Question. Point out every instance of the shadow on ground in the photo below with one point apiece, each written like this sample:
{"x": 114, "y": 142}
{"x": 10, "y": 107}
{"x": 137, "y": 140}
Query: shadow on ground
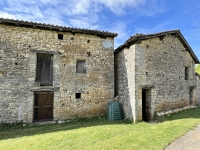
{"x": 15, "y": 131}
{"x": 8, "y": 131}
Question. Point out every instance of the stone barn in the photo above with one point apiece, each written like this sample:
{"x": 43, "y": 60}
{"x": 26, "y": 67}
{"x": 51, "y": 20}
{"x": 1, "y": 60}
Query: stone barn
{"x": 154, "y": 73}
{"x": 52, "y": 72}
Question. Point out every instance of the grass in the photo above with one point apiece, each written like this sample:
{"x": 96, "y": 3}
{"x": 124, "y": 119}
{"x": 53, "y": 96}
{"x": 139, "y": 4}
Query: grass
{"x": 100, "y": 133}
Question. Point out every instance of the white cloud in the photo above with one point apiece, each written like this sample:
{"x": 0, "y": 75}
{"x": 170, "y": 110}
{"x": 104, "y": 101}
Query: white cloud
{"x": 7, "y": 15}
{"x": 121, "y": 29}
{"x": 76, "y": 13}
{"x": 117, "y": 6}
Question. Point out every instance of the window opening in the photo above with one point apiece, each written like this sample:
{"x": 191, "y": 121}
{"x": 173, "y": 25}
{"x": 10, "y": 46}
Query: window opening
{"x": 186, "y": 73}
{"x": 78, "y": 95}
{"x": 190, "y": 96}
{"x": 80, "y": 66}
{"x": 60, "y": 36}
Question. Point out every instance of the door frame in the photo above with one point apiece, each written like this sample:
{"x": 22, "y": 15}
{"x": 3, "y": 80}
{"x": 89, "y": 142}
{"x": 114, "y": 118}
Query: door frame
{"x": 191, "y": 95}
{"x": 36, "y": 107}
{"x": 146, "y": 105}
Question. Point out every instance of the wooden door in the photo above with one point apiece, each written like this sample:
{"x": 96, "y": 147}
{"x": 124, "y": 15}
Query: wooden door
{"x": 43, "y": 109}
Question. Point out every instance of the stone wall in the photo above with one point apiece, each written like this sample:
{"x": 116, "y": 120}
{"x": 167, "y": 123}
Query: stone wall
{"x": 19, "y": 47}
{"x": 125, "y": 80}
{"x": 198, "y": 88}
{"x": 158, "y": 65}
{"x": 161, "y": 66}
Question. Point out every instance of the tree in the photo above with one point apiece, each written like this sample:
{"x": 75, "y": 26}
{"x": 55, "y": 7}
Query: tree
{"x": 197, "y": 69}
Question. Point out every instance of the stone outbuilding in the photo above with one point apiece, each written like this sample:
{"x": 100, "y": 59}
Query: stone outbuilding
{"x": 52, "y": 72}
{"x": 154, "y": 73}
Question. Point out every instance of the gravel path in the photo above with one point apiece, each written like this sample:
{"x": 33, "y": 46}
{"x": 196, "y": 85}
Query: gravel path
{"x": 190, "y": 141}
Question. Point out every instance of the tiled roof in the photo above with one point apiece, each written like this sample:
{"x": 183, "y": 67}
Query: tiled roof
{"x": 139, "y": 37}
{"x": 55, "y": 27}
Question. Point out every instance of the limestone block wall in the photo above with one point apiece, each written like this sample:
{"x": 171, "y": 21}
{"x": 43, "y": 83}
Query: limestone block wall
{"x": 160, "y": 65}
{"x": 19, "y": 47}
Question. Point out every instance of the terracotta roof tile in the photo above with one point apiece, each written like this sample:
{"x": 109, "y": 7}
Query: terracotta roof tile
{"x": 55, "y": 27}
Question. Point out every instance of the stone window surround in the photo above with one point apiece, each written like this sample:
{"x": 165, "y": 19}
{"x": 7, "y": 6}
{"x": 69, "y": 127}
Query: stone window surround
{"x": 44, "y": 88}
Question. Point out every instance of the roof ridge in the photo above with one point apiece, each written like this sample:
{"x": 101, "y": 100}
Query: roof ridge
{"x": 135, "y": 38}
{"x": 56, "y": 27}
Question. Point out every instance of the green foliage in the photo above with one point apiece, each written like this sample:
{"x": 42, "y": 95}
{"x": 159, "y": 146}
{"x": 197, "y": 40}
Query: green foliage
{"x": 197, "y": 69}
{"x": 100, "y": 133}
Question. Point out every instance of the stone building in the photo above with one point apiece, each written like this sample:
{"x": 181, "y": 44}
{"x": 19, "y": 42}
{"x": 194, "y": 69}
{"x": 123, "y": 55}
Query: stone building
{"x": 51, "y": 72}
{"x": 198, "y": 88}
{"x": 153, "y": 73}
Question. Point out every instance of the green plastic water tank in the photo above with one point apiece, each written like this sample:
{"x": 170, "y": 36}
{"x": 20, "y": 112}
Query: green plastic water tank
{"x": 114, "y": 111}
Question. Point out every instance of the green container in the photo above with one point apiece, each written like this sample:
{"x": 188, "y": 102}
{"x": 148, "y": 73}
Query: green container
{"x": 114, "y": 111}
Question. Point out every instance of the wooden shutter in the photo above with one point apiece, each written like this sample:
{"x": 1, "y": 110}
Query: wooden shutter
{"x": 44, "y": 70}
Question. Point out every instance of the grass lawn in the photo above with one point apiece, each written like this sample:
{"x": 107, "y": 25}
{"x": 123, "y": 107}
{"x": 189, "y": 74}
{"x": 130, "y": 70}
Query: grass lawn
{"x": 100, "y": 134}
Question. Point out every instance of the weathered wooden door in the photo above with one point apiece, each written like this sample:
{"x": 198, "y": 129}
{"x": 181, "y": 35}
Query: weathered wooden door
{"x": 44, "y": 70}
{"x": 43, "y": 109}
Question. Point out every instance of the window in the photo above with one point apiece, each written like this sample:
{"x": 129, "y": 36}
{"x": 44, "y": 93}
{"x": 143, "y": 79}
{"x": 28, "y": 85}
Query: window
{"x": 80, "y": 66}
{"x": 44, "y": 70}
{"x": 60, "y": 36}
{"x": 78, "y": 95}
{"x": 186, "y": 73}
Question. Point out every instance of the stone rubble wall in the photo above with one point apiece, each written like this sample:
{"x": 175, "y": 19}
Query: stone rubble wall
{"x": 198, "y": 89}
{"x": 159, "y": 67}
{"x": 125, "y": 80}
{"x": 18, "y": 50}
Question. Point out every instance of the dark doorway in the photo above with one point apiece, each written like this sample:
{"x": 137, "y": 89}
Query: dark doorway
{"x": 43, "y": 107}
{"x": 190, "y": 96}
{"x": 145, "y": 105}
{"x": 44, "y": 70}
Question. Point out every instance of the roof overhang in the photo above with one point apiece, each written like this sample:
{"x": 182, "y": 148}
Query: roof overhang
{"x": 28, "y": 24}
{"x": 139, "y": 37}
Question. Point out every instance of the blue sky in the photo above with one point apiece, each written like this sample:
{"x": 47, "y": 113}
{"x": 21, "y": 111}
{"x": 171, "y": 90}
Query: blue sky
{"x": 125, "y": 17}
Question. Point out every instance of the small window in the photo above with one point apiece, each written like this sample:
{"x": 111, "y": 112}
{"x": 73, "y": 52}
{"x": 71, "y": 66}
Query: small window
{"x": 186, "y": 73}
{"x": 60, "y": 36}
{"x": 78, "y": 95}
{"x": 80, "y": 66}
